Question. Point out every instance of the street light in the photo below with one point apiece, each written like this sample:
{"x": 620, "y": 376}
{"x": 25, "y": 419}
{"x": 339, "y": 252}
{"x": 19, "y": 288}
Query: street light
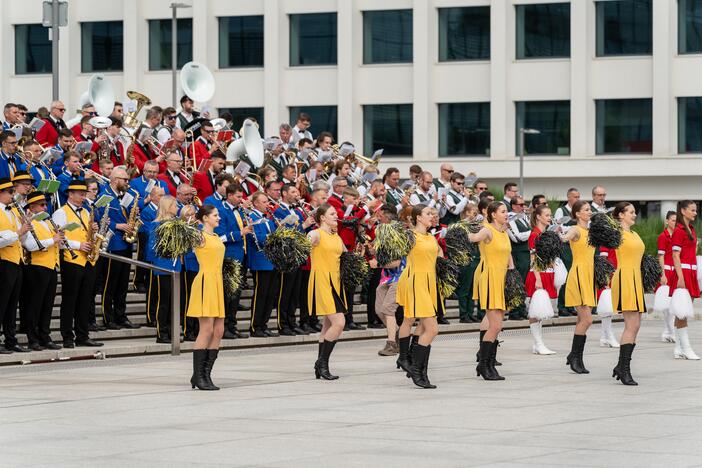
{"x": 522, "y": 132}
{"x": 174, "y": 47}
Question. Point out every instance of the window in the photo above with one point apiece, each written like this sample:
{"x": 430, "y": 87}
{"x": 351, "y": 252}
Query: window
{"x": 464, "y": 33}
{"x": 552, "y": 120}
{"x": 32, "y": 49}
{"x": 323, "y": 118}
{"x": 388, "y": 126}
{"x": 160, "y": 35}
{"x": 543, "y": 30}
{"x": 241, "y": 41}
{"x": 689, "y": 26}
{"x": 624, "y": 126}
{"x": 101, "y": 46}
{"x": 313, "y": 39}
{"x": 387, "y": 36}
{"x": 690, "y": 125}
{"x": 624, "y": 27}
{"x": 239, "y": 114}
{"x": 464, "y": 129}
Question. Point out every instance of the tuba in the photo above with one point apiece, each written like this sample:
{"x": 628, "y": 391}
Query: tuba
{"x": 101, "y": 95}
{"x": 130, "y": 118}
{"x": 250, "y": 144}
{"x": 197, "y": 82}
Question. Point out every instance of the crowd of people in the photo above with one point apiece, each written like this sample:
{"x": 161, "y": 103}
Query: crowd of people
{"x": 72, "y": 190}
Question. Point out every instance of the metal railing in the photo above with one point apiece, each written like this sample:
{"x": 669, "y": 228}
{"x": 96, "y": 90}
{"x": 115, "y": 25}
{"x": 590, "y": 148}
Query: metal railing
{"x": 175, "y": 295}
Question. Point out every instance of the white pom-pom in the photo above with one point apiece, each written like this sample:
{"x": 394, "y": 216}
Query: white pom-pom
{"x": 681, "y": 304}
{"x": 699, "y": 270}
{"x": 540, "y": 307}
{"x": 661, "y": 301}
{"x": 560, "y": 273}
{"x": 604, "y": 304}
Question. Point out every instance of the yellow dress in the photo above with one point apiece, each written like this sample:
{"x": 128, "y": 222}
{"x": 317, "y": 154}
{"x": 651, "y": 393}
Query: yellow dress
{"x": 417, "y": 289}
{"x": 478, "y": 269}
{"x": 627, "y": 284}
{"x": 580, "y": 286}
{"x": 325, "y": 296}
{"x": 207, "y": 293}
{"x": 495, "y": 257}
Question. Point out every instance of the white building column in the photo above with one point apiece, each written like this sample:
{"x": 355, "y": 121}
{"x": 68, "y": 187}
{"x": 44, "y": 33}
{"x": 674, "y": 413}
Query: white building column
{"x": 421, "y": 80}
{"x": 664, "y": 48}
{"x": 273, "y": 62}
{"x": 499, "y": 98}
{"x": 345, "y": 85}
{"x": 580, "y": 99}
{"x": 133, "y": 45}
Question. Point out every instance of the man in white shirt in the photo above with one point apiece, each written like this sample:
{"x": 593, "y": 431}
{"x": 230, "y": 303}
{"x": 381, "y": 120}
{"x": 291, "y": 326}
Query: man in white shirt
{"x": 511, "y": 190}
{"x": 444, "y": 179}
{"x": 599, "y": 195}
{"x": 187, "y": 114}
{"x": 456, "y": 200}
{"x": 426, "y": 194}
{"x": 300, "y": 130}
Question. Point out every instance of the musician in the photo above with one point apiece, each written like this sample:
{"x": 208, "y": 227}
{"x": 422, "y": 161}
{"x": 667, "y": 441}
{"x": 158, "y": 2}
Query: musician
{"x": 37, "y": 169}
{"x": 444, "y": 180}
{"x": 23, "y": 183}
{"x": 64, "y": 144}
{"x": 147, "y": 214}
{"x": 415, "y": 170}
{"x": 394, "y": 195}
{"x": 10, "y": 160}
{"x": 187, "y": 114}
{"x": 48, "y": 135}
{"x": 456, "y": 199}
{"x": 264, "y": 275}
{"x": 71, "y": 171}
{"x": 519, "y": 232}
{"x": 479, "y": 186}
{"x": 92, "y": 193}
{"x": 222, "y": 181}
{"x": 10, "y": 112}
{"x": 285, "y": 133}
{"x": 309, "y": 323}
{"x": 599, "y": 196}
{"x": 164, "y": 130}
{"x": 141, "y": 183}
{"x": 342, "y": 169}
{"x": 511, "y": 190}
{"x": 288, "y": 175}
{"x": 77, "y": 274}
{"x": 117, "y": 149}
{"x": 114, "y": 296}
{"x": 426, "y": 194}
{"x": 185, "y": 195}
{"x": 204, "y": 181}
{"x": 173, "y": 176}
{"x": 300, "y": 130}
{"x": 272, "y": 190}
{"x": 377, "y": 191}
{"x": 117, "y": 111}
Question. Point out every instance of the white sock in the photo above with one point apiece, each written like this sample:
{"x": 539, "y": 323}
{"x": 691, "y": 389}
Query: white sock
{"x": 536, "y": 331}
{"x": 606, "y": 325}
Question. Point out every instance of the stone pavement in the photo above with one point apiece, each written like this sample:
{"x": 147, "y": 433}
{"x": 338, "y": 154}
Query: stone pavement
{"x": 141, "y": 412}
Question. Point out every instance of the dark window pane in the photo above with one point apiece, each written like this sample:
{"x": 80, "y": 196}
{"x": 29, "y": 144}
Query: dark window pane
{"x": 101, "y": 46}
{"x": 387, "y": 36}
{"x": 552, "y": 120}
{"x": 464, "y": 33}
{"x": 689, "y": 26}
{"x": 464, "y": 129}
{"x": 239, "y": 114}
{"x": 160, "y": 34}
{"x": 313, "y": 39}
{"x": 241, "y": 41}
{"x": 624, "y": 126}
{"x": 32, "y": 49}
{"x": 389, "y": 127}
{"x": 624, "y": 27}
{"x": 690, "y": 125}
{"x": 323, "y": 118}
{"x": 543, "y": 30}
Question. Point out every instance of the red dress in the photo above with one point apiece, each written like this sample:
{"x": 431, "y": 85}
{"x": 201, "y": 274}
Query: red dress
{"x": 611, "y": 256}
{"x": 547, "y": 277}
{"x": 665, "y": 248}
{"x": 687, "y": 247}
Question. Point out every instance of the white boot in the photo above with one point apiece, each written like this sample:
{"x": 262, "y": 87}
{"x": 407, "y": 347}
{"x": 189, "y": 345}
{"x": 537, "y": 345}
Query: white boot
{"x": 668, "y": 335}
{"x": 607, "y": 339}
{"x": 683, "y": 350}
{"x": 539, "y": 346}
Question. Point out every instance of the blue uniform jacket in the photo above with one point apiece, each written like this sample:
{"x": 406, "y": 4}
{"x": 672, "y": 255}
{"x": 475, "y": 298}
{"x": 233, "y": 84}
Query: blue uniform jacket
{"x": 151, "y": 257}
{"x": 215, "y": 200}
{"x": 139, "y": 184}
{"x": 5, "y": 165}
{"x": 65, "y": 179}
{"x": 230, "y": 233}
{"x": 118, "y": 214}
{"x": 147, "y": 214}
{"x": 262, "y": 227}
{"x": 283, "y": 212}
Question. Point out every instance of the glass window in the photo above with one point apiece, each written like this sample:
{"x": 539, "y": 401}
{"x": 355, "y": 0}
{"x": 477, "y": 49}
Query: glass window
{"x": 160, "y": 34}
{"x": 323, "y": 118}
{"x": 101, "y": 46}
{"x": 387, "y": 36}
{"x": 624, "y": 27}
{"x": 689, "y": 26}
{"x": 464, "y": 129}
{"x": 690, "y": 125}
{"x": 32, "y": 49}
{"x": 313, "y": 39}
{"x": 624, "y": 126}
{"x": 543, "y": 30}
{"x": 241, "y": 41}
{"x": 388, "y": 126}
{"x": 464, "y": 33}
{"x": 239, "y": 114}
{"x": 551, "y": 119}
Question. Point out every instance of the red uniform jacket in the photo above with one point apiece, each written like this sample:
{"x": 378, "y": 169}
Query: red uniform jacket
{"x": 170, "y": 182}
{"x": 76, "y": 131}
{"x": 348, "y": 231}
{"x": 142, "y": 153}
{"x": 48, "y": 134}
{"x": 200, "y": 151}
{"x": 203, "y": 182}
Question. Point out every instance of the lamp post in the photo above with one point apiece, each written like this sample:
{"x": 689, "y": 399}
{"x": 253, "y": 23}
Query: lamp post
{"x": 174, "y": 47}
{"x": 523, "y": 131}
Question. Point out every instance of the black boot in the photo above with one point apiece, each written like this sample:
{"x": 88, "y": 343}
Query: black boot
{"x": 484, "y": 369}
{"x": 623, "y": 370}
{"x": 425, "y": 366}
{"x": 413, "y": 342}
{"x": 403, "y": 360}
{"x": 575, "y": 358}
{"x": 198, "y": 379}
{"x": 493, "y": 360}
{"x": 477, "y": 355}
{"x": 321, "y": 368}
{"x": 210, "y": 358}
{"x": 319, "y": 349}
{"x": 419, "y": 357}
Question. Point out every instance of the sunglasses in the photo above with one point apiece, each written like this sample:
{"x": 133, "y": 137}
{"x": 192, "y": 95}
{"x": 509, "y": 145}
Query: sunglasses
{"x": 170, "y": 117}
{"x": 61, "y": 109}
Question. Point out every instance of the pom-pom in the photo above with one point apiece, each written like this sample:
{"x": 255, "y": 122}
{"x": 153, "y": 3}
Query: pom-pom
{"x": 603, "y": 272}
{"x": 604, "y": 304}
{"x": 661, "y": 301}
{"x": 604, "y": 231}
{"x": 560, "y": 273}
{"x": 176, "y": 237}
{"x": 473, "y": 226}
{"x": 514, "y": 289}
{"x": 540, "y": 307}
{"x": 392, "y": 242}
{"x": 232, "y": 278}
{"x": 354, "y": 269}
{"x": 287, "y": 249}
{"x": 650, "y": 273}
{"x": 548, "y": 247}
{"x": 446, "y": 276}
{"x": 458, "y": 246}
{"x": 681, "y": 304}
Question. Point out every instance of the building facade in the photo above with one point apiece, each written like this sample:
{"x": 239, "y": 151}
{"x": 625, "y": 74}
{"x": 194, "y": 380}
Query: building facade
{"x": 611, "y": 86}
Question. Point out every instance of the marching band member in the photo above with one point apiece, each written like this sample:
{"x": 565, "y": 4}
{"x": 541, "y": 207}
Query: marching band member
{"x": 205, "y": 144}
{"x": 71, "y": 171}
{"x": 23, "y": 183}
{"x": 204, "y": 181}
{"x": 142, "y": 276}
{"x": 668, "y": 278}
{"x": 519, "y": 232}
{"x": 386, "y": 306}
{"x": 10, "y": 160}
{"x": 599, "y": 194}
{"x": 511, "y": 190}
{"x": 464, "y": 291}
{"x": 75, "y": 123}
{"x": 37, "y": 169}
{"x": 140, "y": 184}
{"x": 11, "y": 113}
{"x": 394, "y": 195}
{"x": 426, "y": 194}
{"x": 607, "y": 338}
{"x": 164, "y": 130}
{"x": 86, "y": 132}
{"x": 190, "y": 269}
{"x": 173, "y": 175}
{"x": 187, "y": 114}
{"x": 115, "y": 145}
{"x": 300, "y": 130}
{"x": 444, "y": 179}
{"x": 456, "y": 199}
{"x": 48, "y": 135}
{"x": 222, "y": 181}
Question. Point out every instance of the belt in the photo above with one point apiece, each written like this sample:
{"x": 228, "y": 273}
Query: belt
{"x": 684, "y": 266}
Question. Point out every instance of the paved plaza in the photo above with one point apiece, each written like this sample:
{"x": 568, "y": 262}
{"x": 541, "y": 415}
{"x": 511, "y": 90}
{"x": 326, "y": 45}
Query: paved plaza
{"x": 141, "y": 412}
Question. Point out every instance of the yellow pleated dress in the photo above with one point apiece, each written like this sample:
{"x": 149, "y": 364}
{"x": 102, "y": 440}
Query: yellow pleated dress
{"x": 580, "y": 285}
{"x": 207, "y": 292}
{"x": 627, "y": 284}
{"x": 495, "y": 257}
{"x": 478, "y": 269}
{"x": 325, "y": 296}
{"x": 417, "y": 289}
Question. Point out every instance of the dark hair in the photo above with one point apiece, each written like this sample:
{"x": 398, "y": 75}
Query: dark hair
{"x": 71, "y": 154}
{"x": 571, "y": 190}
{"x": 492, "y": 209}
{"x": 222, "y": 178}
{"x": 681, "y": 219}
{"x": 415, "y": 169}
{"x": 456, "y": 176}
{"x": 479, "y": 181}
{"x": 538, "y": 211}
{"x": 65, "y": 132}
{"x": 668, "y": 215}
{"x": 509, "y": 186}
{"x": 515, "y": 200}
{"x": 390, "y": 171}
{"x": 322, "y": 135}
{"x": 286, "y": 188}
{"x": 389, "y": 211}
{"x": 234, "y": 188}
{"x": 303, "y": 141}
{"x": 535, "y": 199}
{"x": 5, "y": 135}
{"x": 619, "y": 209}
{"x": 483, "y": 204}
{"x": 416, "y": 211}
{"x": 183, "y": 99}
{"x": 218, "y": 154}
{"x": 205, "y": 210}
{"x": 302, "y": 116}
{"x": 321, "y": 211}
{"x": 577, "y": 207}
{"x": 485, "y": 194}
{"x": 269, "y": 184}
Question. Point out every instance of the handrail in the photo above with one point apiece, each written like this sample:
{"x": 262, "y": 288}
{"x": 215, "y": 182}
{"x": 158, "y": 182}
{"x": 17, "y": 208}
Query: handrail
{"x": 175, "y": 295}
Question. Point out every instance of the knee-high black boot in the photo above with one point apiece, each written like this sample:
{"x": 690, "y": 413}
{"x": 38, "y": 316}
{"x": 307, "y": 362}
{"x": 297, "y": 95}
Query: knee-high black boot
{"x": 198, "y": 379}
{"x": 413, "y": 343}
{"x": 425, "y": 366}
{"x": 493, "y": 359}
{"x": 575, "y": 358}
{"x": 484, "y": 369}
{"x": 322, "y": 369}
{"x": 420, "y": 354}
{"x": 623, "y": 370}
{"x": 210, "y": 358}
{"x": 403, "y": 359}
{"x": 477, "y": 355}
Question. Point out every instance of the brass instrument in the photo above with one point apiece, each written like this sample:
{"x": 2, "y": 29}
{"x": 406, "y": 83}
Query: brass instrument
{"x": 197, "y": 202}
{"x": 130, "y": 118}
{"x": 24, "y": 219}
{"x": 134, "y": 222}
{"x": 64, "y": 243}
{"x": 99, "y": 239}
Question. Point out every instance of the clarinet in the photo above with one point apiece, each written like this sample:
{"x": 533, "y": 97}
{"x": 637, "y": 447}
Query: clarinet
{"x": 249, "y": 222}
{"x": 25, "y": 220}
{"x": 64, "y": 243}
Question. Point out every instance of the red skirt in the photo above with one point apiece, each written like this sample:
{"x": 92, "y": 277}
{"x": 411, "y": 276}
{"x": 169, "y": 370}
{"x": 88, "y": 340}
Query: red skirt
{"x": 546, "y": 281}
{"x": 691, "y": 283}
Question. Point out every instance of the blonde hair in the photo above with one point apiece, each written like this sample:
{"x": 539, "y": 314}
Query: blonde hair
{"x": 164, "y": 207}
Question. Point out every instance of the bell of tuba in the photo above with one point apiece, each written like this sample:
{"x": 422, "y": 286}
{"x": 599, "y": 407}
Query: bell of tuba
{"x": 249, "y": 144}
{"x": 197, "y": 82}
{"x": 130, "y": 119}
{"x": 101, "y": 95}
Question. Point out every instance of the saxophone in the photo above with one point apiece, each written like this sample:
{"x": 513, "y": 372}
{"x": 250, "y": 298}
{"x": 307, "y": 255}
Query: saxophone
{"x": 99, "y": 238}
{"x": 134, "y": 222}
